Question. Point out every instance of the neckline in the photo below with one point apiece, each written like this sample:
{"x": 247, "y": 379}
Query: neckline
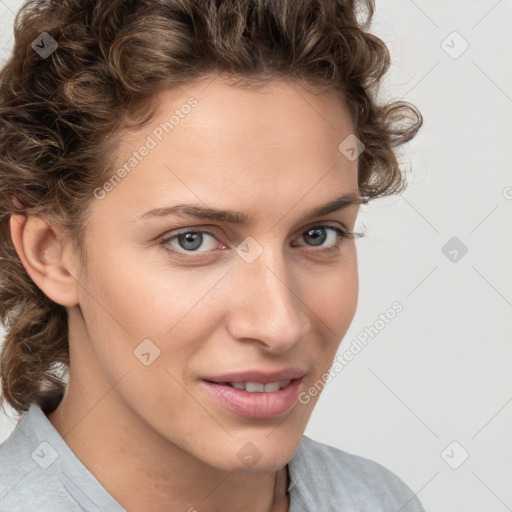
{"x": 41, "y": 429}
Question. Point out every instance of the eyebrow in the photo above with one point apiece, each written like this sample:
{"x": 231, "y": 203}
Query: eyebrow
{"x": 240, "y": 218}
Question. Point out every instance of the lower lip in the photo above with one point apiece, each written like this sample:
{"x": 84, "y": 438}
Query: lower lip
{"x": 255, "y": 405}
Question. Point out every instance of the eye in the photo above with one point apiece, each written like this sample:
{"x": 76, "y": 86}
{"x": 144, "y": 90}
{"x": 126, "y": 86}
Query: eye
{"x": 316, "y": 236}
{"x": 190, "y": 241}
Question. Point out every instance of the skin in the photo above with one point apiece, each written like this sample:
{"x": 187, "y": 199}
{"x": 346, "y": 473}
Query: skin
{"x": 150, "y": 434}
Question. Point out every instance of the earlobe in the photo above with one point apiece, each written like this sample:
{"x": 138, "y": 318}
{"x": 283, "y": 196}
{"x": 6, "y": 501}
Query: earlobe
{"x": 40, "y": 246}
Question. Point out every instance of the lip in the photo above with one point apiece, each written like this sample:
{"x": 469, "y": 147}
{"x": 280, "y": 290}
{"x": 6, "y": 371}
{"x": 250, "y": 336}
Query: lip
{"x": 260, "y": 376}
{"x": 265, "y": 405}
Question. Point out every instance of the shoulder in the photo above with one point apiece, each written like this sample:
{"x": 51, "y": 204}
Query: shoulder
{"x": 15, "y": 473}
{"x": 38, "y": 472}
{"x": 355, "y": 482}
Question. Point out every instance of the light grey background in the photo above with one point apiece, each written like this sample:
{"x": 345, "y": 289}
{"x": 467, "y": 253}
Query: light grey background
{"x": 439, "y": 372}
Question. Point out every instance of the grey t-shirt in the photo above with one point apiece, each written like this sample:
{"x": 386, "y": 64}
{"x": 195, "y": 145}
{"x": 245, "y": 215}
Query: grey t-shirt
{"x": 40, "y": 473}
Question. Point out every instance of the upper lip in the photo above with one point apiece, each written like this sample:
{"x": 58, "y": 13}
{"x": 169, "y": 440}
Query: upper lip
{"x": 259, "y": 376}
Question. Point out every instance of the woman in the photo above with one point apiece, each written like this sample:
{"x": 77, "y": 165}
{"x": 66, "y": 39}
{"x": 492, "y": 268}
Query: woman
{"x": 179, "y": 186}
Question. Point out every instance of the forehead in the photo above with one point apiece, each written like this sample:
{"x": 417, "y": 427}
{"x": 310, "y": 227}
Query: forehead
{"x": 240, "y": 111}
{"x": 212, "y": 142}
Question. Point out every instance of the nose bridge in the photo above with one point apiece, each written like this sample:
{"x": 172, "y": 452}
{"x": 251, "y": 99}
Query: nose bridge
{"x": 268, "y": 305}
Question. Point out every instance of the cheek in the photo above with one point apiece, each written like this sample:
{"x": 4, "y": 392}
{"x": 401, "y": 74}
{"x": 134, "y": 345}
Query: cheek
{"x": 141, "y": 292}
{"x": 145, "y": 298}
{"x": 333, "y": 300}
{"x": 334, "y": 294}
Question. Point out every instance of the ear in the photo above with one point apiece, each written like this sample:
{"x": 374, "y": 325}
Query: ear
{"x": 48, "y": 256}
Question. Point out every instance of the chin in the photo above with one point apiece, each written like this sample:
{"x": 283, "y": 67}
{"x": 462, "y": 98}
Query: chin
{"x": 256, "y": 454}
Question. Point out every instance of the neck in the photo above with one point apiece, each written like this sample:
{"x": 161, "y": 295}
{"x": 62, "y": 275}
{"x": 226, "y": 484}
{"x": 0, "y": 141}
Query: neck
{"x": 143, "y": 471}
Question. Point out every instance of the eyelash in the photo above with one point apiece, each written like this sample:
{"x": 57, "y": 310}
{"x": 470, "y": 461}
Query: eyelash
{"x": 342, "y": 234}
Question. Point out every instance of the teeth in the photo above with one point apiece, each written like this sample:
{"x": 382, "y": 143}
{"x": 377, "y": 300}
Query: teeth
{"x": 256, "y": 387}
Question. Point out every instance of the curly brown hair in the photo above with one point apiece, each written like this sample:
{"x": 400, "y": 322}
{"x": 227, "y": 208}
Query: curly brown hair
{"x": 61, "y": 118}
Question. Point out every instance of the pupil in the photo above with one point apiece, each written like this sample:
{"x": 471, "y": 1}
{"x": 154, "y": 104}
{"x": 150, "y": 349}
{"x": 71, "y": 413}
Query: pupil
{"x": 190, "y": 241}
{"x": 317, "y": 240}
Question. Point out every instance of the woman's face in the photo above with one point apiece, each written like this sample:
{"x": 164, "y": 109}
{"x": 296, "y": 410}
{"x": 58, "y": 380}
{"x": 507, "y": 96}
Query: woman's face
{"x": 169, "y": 299}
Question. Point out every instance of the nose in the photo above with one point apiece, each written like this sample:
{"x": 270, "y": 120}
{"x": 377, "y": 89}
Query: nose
{"x": 267, "y": 305}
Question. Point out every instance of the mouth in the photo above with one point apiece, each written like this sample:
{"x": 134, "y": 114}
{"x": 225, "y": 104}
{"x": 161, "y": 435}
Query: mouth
{"x": 255, "y": 400}
{"x": 256, "y": 387}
